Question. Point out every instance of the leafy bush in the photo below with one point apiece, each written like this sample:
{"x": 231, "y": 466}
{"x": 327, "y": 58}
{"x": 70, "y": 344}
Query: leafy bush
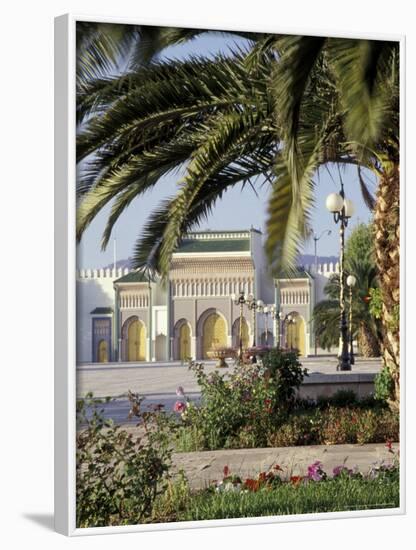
{"x": 118, "y": 477}
{"x": 383, "y": 385}
{"x": 300, "y": 429}
{"x": 335, "y": 426}
{"x": 338, "y": 426}
{"x": 240, "y": 409}
{"x": 286, "y": 371}
{"x": 340, "y": 398}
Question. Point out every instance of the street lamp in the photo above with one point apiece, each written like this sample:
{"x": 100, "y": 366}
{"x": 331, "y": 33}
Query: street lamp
{"x": 342, "y": 210}
{"x": 315, "y": 240}
{"x": 276, "y": 315}
{"x": 351, "y": 280}
{"x": 240, "y": 301}
{"x": 254, "y": 305}
{"x": 266, "y": 311}
{"x": 315, "y": 243}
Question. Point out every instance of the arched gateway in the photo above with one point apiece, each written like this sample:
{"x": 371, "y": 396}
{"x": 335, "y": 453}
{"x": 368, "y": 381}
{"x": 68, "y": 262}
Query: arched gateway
{"x": 136, "y": 341}
{"x": 214, "y": 333}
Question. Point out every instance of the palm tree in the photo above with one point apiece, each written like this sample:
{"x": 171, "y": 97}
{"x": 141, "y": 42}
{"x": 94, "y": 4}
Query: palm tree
{"x": 366, "y": 78}
{"x": 366, "y": 329}
{"x": 274, "y": 113}
{"x": 359, "y": 261}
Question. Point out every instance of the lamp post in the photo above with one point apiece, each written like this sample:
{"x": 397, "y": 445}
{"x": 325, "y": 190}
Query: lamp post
{"x": 316, "y": 238}
{"x": 315, "y": 245}
{"x": 240, "y": 301}
{"x": 342, "y": 210}
{"x": 351, "y": 280}
{"x": 276, "y": 315}
{"x": 266, "y": 311}
{"x": 254, "y": 305}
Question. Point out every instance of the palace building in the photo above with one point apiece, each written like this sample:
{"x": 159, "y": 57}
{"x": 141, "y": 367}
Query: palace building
{"x": 122, "y": 316}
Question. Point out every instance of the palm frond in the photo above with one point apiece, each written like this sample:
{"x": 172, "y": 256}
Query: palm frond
{"x": 132, "y": 178}
{"x": 290, "y": 204}
{"x": 149, "y": 245}
{"x": 226, "y": 139}
{"x": 167, "y": 93}
{"x": 362, "y": 71}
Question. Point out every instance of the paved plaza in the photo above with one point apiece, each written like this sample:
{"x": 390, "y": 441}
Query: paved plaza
{"x": 157, "y": 382}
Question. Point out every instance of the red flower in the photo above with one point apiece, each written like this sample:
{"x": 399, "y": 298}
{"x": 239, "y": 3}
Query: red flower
{"x": 252, "y": 484}
{"x": 179, "y": 407}
{"x": 278, "y": 468}
{"x": 389, "y": 445}
{"x": 296, "y": 480}
{"x": 268, "y": 405}
{"x": 226, "y": 471}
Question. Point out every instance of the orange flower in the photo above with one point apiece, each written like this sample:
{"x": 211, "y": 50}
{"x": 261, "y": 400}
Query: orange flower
{"x": 252, "y": 484}
{"x": 295, "y": 480}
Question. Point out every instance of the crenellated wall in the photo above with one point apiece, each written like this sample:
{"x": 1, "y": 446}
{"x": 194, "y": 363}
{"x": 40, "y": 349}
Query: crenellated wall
{"x": 103, "y": 273}
{"x": 195, "y": 284}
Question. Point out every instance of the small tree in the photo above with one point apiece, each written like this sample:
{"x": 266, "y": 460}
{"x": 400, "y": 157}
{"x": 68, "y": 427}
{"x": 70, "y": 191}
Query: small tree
{"x": 359, "y": 261}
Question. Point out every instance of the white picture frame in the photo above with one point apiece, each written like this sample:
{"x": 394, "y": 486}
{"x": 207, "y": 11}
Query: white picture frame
{"x": 65, "y": 291}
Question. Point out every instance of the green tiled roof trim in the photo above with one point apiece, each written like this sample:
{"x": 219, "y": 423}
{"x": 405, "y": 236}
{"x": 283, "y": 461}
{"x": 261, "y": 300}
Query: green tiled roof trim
{"x": 133, "y": 277}
{"x": 102, "y": 311}
{"x": 213, "y": 245}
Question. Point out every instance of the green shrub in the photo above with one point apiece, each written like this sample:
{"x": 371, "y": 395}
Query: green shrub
{"x": 241, "y": 408}
{"x": 339, "y": 425}
{"x": 383, "y": 385}
{"x": 286, "y": 372}
{"x": 336, "y": 426}
{"x": 302, "y": 429}
{"x": 118, "y": 477}
{"x": 341, "y": 398}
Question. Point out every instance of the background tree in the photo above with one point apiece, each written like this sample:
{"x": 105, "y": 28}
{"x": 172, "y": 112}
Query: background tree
{"x": 359, "y": 261}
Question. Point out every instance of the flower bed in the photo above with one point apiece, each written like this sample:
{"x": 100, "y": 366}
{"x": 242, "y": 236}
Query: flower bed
{"x": 276, "y": 492}
{"x": 255, "y": 406}
{"x": 123, "y": 479}
{"x": 247, "y": 402}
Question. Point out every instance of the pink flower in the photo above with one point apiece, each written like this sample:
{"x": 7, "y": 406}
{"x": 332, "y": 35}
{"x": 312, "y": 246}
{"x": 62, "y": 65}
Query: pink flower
{"x": 339, "y": 470}
{"x": 179, "y": 391}
{"x": 179, "y": 407}
{"x": 315, "y": 471}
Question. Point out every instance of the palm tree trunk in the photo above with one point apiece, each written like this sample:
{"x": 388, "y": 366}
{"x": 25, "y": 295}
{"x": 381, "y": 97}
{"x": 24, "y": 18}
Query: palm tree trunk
{"x": 387, "y": 247}
{"x": 367, "y": 341}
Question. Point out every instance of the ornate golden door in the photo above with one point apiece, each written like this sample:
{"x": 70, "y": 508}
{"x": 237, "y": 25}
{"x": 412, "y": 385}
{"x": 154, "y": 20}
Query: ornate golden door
{"x": 184, "y": 342}
{"x": 296, "y": 335}
{"x": 214, "y": 334}
{"x": 102, "y": 351}
{"x": 136, "y": 340}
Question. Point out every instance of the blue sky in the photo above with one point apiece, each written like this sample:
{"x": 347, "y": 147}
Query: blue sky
{"x": 238, "y": 209}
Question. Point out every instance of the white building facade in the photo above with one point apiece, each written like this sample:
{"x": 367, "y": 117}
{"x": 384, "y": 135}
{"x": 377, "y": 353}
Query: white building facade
{"x": 124, "y": 317}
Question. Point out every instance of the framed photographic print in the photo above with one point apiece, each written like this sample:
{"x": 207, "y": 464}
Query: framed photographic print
{"x": 227, "y": 276}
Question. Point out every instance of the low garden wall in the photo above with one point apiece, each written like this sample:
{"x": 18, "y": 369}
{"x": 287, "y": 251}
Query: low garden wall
{"x": 326, "y": 385}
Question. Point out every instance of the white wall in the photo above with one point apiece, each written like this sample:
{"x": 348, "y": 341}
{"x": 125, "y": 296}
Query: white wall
{"x": 94, "y": 289}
